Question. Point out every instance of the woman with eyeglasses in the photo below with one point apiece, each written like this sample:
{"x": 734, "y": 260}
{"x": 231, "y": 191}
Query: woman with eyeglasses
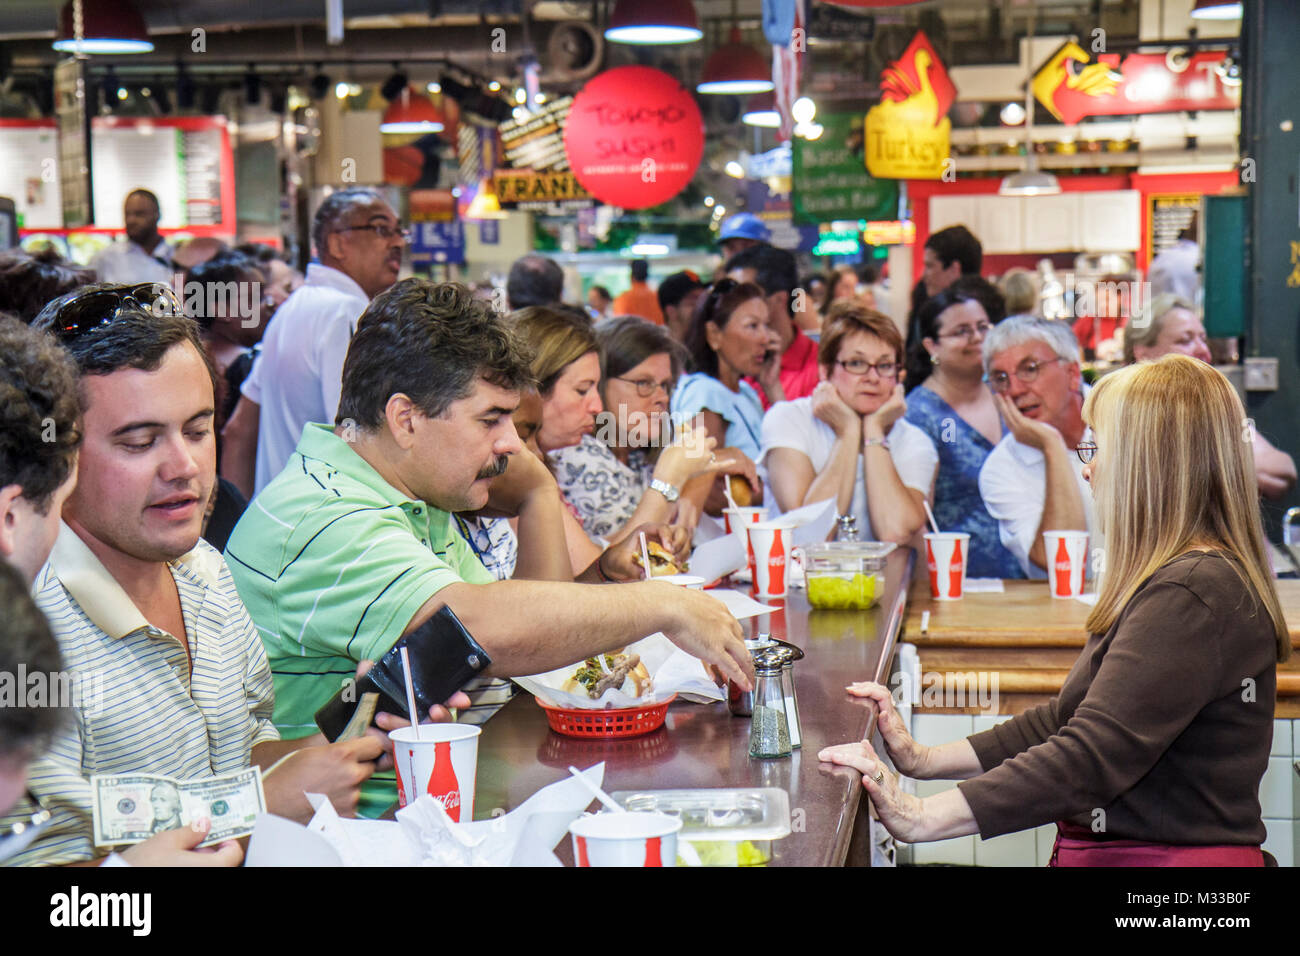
{"x": 632, "y": 470}
{"x": 1154, "y": 750}
{"x": 848, "y": 440}
{"x": 729, "y": 340}
{"x": 1172, "y": 324}
{"x": 950, "y": 402}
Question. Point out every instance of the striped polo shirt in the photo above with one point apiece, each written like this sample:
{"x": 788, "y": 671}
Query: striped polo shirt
{"x": 333, "y": 562}
{"x": 138, "y": 707}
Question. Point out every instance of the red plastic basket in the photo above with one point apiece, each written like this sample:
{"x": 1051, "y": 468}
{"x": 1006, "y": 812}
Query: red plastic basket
{"x": 620, "y": 722}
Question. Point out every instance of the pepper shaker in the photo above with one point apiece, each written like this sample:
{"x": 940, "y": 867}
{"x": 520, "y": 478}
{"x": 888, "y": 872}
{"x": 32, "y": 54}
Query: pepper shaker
{"x": 769, "y": 731}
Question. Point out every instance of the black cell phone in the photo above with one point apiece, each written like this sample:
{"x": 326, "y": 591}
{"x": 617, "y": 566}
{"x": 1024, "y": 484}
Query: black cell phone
{"x": 444, "y": 658}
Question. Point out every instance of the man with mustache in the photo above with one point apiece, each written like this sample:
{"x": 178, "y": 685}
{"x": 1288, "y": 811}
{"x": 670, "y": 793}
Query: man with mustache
{"x": 354, "y": 544}
{"x": 1033, "y": 480}
{"x": 359, "y": 243}
{"x": 139, "y": 602}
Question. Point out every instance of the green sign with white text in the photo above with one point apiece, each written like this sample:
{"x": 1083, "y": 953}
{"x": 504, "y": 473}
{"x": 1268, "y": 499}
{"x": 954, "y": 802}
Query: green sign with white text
{"x": 831, "y": 180}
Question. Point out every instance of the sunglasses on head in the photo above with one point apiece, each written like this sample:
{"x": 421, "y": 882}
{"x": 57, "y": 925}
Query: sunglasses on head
{"x": 97, "y": 308}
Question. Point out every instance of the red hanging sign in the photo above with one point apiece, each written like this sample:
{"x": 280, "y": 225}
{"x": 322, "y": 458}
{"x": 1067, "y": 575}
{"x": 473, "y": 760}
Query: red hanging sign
{"x": 634, "y": 137}
{"x": 1073, "y": 85}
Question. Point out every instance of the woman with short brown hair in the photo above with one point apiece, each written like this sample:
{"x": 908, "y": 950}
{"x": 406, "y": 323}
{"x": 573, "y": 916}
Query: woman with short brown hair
{"x": 848, "y": 440}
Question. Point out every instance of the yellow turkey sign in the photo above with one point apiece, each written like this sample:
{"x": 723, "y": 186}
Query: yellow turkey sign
{"x": 907, "y": 132}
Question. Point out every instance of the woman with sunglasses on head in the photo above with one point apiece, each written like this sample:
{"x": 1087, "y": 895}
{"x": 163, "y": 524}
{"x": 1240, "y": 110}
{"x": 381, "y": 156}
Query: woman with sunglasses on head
{"x": 1153, "y": 752}
{"x": 728, "y": 340}
{"x": 848, "y": 440}
{"x": 949, "y": 401}
{"x": 632, "y": 471}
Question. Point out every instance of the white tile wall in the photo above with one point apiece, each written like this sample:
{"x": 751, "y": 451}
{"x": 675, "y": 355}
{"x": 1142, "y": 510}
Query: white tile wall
{"x": 1281, "y": 840}
{"x": 960, "y": 851}
{"x": 1012, "y": 849}
{"x": 1282, "y": 738}
{"x": 1275, "y": 790}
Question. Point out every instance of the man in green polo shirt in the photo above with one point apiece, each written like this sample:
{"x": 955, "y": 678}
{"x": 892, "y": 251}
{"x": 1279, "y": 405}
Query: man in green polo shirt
{"x": 353, "y": 545}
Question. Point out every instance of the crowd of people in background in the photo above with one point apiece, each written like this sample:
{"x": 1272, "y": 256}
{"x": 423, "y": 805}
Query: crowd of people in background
{"x": 444, "y": 453}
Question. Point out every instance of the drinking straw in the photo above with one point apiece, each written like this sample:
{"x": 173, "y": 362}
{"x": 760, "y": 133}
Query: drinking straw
{"x": 934, "y": 526}
{"x": 645, "y": 555}
{"x": 726, "y": 490}
{"x": 609, "y": 802}
{"x": 410, "y": 692}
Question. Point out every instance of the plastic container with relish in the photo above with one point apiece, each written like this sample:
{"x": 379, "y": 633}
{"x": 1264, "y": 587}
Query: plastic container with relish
{"x": 845, "y": 575}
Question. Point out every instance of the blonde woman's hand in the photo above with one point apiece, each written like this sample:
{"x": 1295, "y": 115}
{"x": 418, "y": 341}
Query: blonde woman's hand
{"x": 908, "y": 756}
{"x": 901, "y": 813}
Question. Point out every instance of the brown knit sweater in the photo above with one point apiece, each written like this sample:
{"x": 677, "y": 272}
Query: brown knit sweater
{"x": 1164, "y": 722}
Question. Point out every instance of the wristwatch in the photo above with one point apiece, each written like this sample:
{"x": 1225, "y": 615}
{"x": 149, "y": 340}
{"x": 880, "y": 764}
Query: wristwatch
{"x": 665, "y": 489}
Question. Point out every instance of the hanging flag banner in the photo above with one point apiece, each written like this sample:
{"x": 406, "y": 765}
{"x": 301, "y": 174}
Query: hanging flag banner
{"x": 634, "y": 137}
{"x": 907, "y": 133}
{"x": 1072, "y": 85}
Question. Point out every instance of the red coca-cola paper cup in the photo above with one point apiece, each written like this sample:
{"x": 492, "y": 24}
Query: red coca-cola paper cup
{"x": 770, "y": 543}
{"x": 442, "y": 762}
{"x": 1067, "y": 561}
{"x": 945, "y": 555}
{"x": 625, "y": 839}
{"x": 734, "y": 519}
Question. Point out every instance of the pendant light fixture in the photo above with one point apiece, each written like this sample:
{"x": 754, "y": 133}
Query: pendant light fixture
{"x": 761, "y": 111}
{"x": 412, "y": 112}
{"x": 1031, "y": 181}
{"x": 653, "y": 22}
{"x": 1217, "y": 10}
{"x": 107, "y": 26}
{"x": 736, "y": 68}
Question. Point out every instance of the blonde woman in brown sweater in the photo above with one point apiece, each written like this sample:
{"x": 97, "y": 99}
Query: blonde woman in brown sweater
{"x": 1153, "y": 752}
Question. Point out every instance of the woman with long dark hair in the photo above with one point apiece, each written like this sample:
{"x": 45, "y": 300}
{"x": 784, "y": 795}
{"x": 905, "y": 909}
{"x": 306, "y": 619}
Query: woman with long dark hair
{"x": 955, "y": 408}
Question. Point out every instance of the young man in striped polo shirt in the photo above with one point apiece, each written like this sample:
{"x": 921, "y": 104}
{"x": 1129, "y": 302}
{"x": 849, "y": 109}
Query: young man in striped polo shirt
{"x": 136, "y": 599}
{"x": 353, "y": 544}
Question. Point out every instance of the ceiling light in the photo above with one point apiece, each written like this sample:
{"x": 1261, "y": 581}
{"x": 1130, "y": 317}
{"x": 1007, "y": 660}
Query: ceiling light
{"x": 1030, "y": 182}
{"x": 434, "y": 87}
{"x": 342, "y": 90}
{"x": 1013, "y": 114}
{"x": 708, "y": 200}
{"x": 735, "y": 170}
{"x": 803, "y": 110}
{"x": 107, "y": 26}
{"x": 1217, "y": 10}
{"x": 649, "y": 249}
{"x": 735, "y": 68}
{"x": 494, "y": 86}
{"x": 412, "y": 112}
{"x": 761, "y": 111}
{"x": 652, "y": 22}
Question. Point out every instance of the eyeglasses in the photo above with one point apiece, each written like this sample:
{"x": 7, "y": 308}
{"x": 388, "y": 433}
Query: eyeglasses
{"x": 967, "y": 332}
{"x": 1086, "y": 450}
{"x": 885, "y": 368}
{"x": 22, "y": 833}
{"x": 97, "y": 308}
{"x": 382, "y": 230}
{"x": 1026, "y": 371}
{"x": 645, "y": 387}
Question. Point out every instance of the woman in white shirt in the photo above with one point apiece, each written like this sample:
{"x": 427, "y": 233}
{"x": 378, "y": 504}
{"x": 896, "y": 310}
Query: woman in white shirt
{"x": 848, "y": 440}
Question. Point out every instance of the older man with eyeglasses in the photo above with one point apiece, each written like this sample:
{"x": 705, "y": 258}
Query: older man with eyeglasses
{"x": 298, "y": 376}
{"x": 1033, "y": 480}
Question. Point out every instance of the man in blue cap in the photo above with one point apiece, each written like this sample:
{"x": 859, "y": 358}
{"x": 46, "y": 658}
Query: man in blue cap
{"x": 741, "y": 231}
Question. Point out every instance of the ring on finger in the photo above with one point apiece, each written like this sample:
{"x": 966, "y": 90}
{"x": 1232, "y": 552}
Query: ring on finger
{"x": 879, "y": 778}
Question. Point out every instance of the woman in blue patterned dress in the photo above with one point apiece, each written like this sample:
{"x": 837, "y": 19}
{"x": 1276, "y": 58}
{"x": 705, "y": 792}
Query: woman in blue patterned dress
{"x": 954, "y": 406}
